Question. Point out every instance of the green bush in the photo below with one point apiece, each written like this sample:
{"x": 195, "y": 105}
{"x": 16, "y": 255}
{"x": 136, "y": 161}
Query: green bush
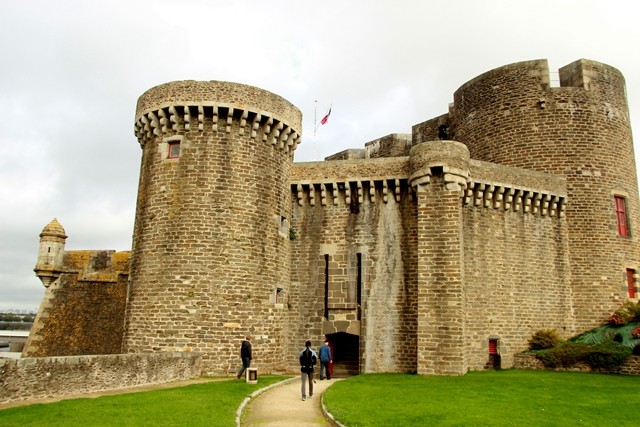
{"x": 543, "y": 339}
{"x": 564, "y": 355}
{"x": 607, "y": 355}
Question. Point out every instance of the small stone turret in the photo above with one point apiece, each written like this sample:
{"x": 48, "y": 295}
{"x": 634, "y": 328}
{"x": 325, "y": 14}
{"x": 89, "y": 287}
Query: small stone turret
{"x": 50, "y": 253}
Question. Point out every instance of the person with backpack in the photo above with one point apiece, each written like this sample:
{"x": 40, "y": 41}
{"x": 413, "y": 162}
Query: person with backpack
{"x": 245, "y": 355}
{"x": 308, "y": 359}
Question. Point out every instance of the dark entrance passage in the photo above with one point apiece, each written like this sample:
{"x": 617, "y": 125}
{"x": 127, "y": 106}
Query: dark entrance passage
{"x": 346, "y": 354}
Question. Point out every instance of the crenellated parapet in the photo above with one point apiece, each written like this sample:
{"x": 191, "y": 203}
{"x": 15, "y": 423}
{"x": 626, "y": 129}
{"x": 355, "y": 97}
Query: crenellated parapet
{"x": 193, "y": 106}
{"x": 479, "y": 184}
{"x": 335, "y": 193}
{"x": 473, "y": 192}
{"x": 518, "y": 199}
{"x": 176, "y": 119}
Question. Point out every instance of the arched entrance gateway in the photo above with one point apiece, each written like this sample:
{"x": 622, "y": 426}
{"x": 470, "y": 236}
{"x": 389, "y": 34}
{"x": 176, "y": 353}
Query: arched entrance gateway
{"x": 345, "y": 349}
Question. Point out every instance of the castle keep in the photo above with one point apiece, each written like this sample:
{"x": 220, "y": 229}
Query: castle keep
{"x": 432, "y": 252}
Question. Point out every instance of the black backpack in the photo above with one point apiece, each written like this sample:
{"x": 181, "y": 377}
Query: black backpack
{"x": 307, "y": 360}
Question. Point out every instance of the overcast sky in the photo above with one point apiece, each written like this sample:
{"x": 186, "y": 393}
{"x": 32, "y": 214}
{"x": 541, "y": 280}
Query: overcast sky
{"x": 72, "y": 71}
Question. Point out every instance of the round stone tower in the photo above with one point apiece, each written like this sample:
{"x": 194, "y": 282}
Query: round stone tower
{"x": 580, "y": 130}
{"x": 211, "y": 252}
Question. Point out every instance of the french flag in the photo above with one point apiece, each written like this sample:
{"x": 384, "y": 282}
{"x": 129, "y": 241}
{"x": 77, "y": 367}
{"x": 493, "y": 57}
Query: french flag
{"x": 325, "y": 119}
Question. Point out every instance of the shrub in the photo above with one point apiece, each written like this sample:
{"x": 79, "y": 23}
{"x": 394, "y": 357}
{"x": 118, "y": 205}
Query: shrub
{"x": 607, "y": 355}
{"x": 543, "y": 339}
{"x": 635, "y": 334}
{"x": 565, "y": 355}
{"x": 620, "y": 317}
{"x": 633, "y": 309}
{"x": 627, "y": 313}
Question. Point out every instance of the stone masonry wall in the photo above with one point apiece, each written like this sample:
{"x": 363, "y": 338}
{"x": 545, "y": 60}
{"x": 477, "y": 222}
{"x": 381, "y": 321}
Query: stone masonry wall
{"x": 47, "y": 377}
{"x": 381, "y": 231}
{"x": 83, "y": 310}
{"x": 211, "y": 254}
{"x": 510, "y": 223}
{"x": 631, "y": 366}
{"x": 517, "y": 280}
{"x": 581, "y": 131}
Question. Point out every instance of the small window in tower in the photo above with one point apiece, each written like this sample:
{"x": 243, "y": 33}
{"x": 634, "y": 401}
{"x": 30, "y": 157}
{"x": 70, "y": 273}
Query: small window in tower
{"x": 284, "y": 228}
{"x": 631, "y": 283}
{"x": 279, "y": 295}
{"x": 621, "y": 214}
{"x": 174, "y": 149}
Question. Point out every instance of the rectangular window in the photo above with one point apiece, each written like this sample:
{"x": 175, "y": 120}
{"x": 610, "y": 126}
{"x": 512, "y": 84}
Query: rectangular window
{"x": 631, "y": 283}
{"x": 621, "y": 214}
{"x": 174, "y": 149}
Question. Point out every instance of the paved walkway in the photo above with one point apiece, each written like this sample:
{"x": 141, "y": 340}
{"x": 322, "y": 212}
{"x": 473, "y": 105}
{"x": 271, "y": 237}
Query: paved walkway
{"x": 282, "y": 406}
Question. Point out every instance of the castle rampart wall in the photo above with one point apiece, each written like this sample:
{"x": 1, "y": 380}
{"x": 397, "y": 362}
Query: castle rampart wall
{"x": 83, "y": 310}
{"x": 517, "y": 271}
{"x": 30, "y": 379}
{"x": 347, "y": 224}
{"x": 510, "y": 223}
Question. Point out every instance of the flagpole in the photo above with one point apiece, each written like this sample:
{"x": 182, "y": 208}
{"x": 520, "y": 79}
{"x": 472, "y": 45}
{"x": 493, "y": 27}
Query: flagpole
{"x": 315, "y": 118}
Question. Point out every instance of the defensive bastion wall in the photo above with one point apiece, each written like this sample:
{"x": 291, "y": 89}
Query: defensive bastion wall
{"x": 82, "y": 311}
{"x": 54, "y": 377}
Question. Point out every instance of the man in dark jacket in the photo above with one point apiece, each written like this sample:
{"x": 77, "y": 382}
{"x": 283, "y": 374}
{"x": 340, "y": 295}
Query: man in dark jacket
{"x": 308, "y": 358}
{"x": 245, "y": 355}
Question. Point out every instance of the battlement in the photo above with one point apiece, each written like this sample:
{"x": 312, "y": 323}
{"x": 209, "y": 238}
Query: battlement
{"x": 184, "y": 106}
{"x": 583, "y": 73}
{"x": 481, "y": 184}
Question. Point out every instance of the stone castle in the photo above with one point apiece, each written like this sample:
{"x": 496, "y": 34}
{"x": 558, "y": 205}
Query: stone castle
{"x": 436, "y": 252}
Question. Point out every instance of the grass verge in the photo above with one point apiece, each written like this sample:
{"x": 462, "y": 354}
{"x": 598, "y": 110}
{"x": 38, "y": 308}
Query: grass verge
{"x": 492, "y": 398}
{"x": 204, "y": 404}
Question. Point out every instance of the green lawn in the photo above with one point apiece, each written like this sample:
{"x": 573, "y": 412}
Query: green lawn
{"x": 491, "y": 398}
{"x": 205, "y": 404}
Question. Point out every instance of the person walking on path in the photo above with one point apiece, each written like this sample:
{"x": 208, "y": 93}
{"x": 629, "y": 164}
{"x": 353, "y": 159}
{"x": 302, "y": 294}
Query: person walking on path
{"x": 325, "y": 360}
{"x": 308, "y": 358}
{"x": 245, "y": 355}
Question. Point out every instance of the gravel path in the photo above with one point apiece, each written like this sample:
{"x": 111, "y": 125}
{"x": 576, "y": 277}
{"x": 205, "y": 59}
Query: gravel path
{"x": 282, "y": 406}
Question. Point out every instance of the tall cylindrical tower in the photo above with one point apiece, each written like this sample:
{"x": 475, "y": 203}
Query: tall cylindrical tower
{"x": 580, "y": 130}
{"x": 211, "y": 250}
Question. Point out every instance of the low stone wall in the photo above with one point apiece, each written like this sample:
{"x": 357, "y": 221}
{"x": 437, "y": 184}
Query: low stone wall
{"x": 529, "y": 361}
{"x": 47, "y": 377}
